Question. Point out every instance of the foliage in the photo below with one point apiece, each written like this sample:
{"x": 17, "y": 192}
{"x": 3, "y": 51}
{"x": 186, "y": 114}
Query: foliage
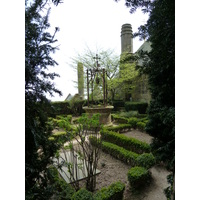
{"x": 120, "y": 128}
{"x": 112, "y": 192}
{"x": 39, "y": 45}
{"x": 129, "y": 114}
{"x": 60, "y": 108}
{"x": 141, "y": 126}
{"x": 146, "y": 160}
{"x": 119, "y": 119}
{"x": 108, "y": 60}
{"x": 61, "y": 189}
{"x": 169, "y": 191}
{"x": 138, "y": 176}
{"x": 131, "y": 144}
{"x": 82, "y": 194}
{"x": 127, "y": 76}
{"x": 88, "y": 155}
{"x": 118, "y": 104}
{"x": 141, "y": 107}
{"x": 133, "y": 122}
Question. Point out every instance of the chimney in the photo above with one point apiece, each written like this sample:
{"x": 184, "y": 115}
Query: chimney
{"x": 126, "y": 39}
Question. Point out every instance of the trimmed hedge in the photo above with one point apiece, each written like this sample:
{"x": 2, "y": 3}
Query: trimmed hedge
{"x": 119, "y": 128}
{"x": 133, "y": 122}
{"x": 136, "y": 106}
{"x": 141, "y": 126}
{"x": 118, "y": 104}
{"x": 146, "y": 160}
{"x": 119, "y": 119}
{"x": 60, "y": 108}
{"x": 82, "y": 194}
{"x": 113, "y": 192}
{"x": 130, "y": 144}
{"x": 120, "y": 153}
{"x": 62, "y": 190}
{"x": 138, "y": 176}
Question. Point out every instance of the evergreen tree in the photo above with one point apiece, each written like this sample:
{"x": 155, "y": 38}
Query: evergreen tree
{"x": 160, "y": 68}
{"x": 39, "y": 44}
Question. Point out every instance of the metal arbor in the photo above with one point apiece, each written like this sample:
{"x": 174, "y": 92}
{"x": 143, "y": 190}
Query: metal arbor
{"x": 91, "y": 75}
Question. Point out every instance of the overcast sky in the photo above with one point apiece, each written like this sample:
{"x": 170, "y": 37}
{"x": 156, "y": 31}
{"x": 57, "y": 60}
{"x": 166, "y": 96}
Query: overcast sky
{"x": 95, "y": 23}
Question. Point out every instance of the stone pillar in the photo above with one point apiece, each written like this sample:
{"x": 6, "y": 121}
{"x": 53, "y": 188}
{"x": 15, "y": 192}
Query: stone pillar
{"x": 80, "y": 80}
{"x": 126, "y": 38}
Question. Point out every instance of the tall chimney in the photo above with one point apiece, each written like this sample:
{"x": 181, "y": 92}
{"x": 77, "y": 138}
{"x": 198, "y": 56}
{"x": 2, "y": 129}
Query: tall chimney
{"x": 126, "y": 39}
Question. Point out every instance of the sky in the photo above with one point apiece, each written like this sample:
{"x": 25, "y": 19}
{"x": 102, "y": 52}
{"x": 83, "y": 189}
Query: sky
{"x": 93, "y": 23}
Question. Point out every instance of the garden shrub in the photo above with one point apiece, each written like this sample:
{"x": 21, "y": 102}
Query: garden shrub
{"x": 133, "y": 122}
{"x": 146, "y": 160}
{"x": 117, "y": 104}
{"x": 138, "y": 176}
{"x": 119, "y": 119}
{"x": 62, "y": 190}
{"x": 113, "y": 192}
{"x": 136, "y": 106}
{"x": 120, "y": 153}
{"x": 129, "y": 114}
{"x": 141, "y": 126}
{"x": 120, "y": 128}
{"x": 60, "y": 108}
{"x": 130, "y": 144}
{"x": 82, "y": 194}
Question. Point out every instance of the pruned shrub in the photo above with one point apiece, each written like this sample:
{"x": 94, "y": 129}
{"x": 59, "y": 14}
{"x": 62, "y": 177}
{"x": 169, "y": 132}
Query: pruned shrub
{"x": 60, "y": 108}
{"x": 118, "y": 104}
{"x": 146, "y": 160}
{"x": 141, "y": 126}
{"x": 130, "y": 144}
{"x": 120, "y": 153}
{"x": 112, "y": 192}
{"x": 136, "y": 106}
{"x": 82, "y": 194}
{"x": 133, "y": 122}
{"x": 138, "y": 176}
{"x": 119, "y": 119}
{"x": 62, "y": 190}
{"x": 120, "y": 128}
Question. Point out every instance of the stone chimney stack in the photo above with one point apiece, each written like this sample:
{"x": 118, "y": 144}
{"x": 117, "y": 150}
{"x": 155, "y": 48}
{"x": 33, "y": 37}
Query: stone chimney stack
{"x": 126, "y": 39}
{"x": 80, "y": 80}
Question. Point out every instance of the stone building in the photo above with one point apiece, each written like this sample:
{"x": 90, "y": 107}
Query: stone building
{"x": 140, "y": 91}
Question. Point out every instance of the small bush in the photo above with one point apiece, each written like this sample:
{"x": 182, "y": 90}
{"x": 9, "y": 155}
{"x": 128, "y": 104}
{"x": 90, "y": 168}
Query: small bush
{"x": 138, "y": 176}
{"x": 119, "y": 119}
{"x": 130, "y": 144}
{"x": 118, "y": 104}
{"x": 62, "y": 190}
{"x": 128, "y": 114}
{"x": 141, "y": 126}
{"x": 136, "y": 106}
{"x": 133, "y": 122}
{"x": 82, "y": 194}
{"x": 112, "y": 192}
{"x": 120, "y": 153}
{"x": 146, "y": 160}
{"x": 120, "y": 128}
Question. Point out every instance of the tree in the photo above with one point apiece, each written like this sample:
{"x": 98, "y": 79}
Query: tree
{"x": 160, "y": 68}
{"x": 108, "y": 60}
{"x": 39, "y": 44}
